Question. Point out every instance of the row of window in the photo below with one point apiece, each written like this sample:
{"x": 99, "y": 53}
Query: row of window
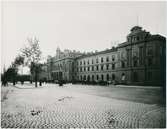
{"x": 97, "y": 67}
{"x": 96, "y": 77}
{"x": 97, "y": 60}
{"x": 135, "y": 62}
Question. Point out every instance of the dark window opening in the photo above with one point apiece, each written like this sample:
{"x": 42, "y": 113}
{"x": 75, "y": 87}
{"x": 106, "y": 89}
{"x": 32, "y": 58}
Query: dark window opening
{"x": 92, "y": 77}
{"x": 108, "y": 77}
{"x": 107, "y": 66}
{"x": 150, "y": 62}
{"x": 150, "y": 51}
{"x": 97, "y": 77}
{"x": 113, "y": 76}
{"x": 113, "y": 57}
{"x": 97, "y": 68}
{"x": 102, "y": 59}
{"x": 101, "y": 67}
{"x": 97, "y": 60}
{"x": 92, "y": 68}
{"x": 123, "y": 64}
{"x": 102, "y": 77}
{"x": 107, "y": 59}
{"x": 88, "y": 78}
{"x": 113, "y": 66}
{"x": 135, "y": 63}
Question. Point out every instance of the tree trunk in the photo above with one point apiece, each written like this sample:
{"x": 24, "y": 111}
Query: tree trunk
{"x": 36, "y": 81}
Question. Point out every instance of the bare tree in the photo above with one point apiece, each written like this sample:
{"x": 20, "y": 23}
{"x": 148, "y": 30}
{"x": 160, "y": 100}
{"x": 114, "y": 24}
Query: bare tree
{"x": 32, "y": 54}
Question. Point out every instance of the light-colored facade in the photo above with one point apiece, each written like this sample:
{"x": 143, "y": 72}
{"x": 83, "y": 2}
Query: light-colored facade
{"x": 139, "y": 60}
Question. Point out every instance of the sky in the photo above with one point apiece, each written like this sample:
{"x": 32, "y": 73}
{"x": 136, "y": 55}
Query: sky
{"x": 82, "y": 26}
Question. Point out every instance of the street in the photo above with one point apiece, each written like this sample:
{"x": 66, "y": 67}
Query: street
{"x": 80, "y": 106}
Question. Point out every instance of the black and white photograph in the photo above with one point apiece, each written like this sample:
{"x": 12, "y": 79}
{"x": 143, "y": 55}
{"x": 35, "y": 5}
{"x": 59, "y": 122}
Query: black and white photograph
{"x": 83, "y": 64}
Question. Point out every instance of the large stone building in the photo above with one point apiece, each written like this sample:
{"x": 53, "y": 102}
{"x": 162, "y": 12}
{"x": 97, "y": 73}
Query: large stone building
{"x": 139, "y": 60}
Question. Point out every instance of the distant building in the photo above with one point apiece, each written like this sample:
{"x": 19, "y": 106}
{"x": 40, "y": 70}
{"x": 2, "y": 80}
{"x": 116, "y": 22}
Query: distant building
{"x": 139, "y": 60}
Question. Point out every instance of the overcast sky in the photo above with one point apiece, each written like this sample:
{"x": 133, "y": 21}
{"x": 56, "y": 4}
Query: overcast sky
{"x": 83, "y": 26}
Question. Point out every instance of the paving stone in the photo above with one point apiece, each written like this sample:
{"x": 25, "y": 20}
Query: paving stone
{"x": 57, "y": 108}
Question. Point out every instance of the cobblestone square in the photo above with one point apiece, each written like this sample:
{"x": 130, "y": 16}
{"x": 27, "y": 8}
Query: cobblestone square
{"x": 80, "y": 106}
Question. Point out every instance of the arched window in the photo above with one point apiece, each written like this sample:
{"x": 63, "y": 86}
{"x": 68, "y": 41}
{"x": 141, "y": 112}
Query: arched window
{"x": 92, "y": 61}
{"x": 101, "y": 67}
{"x": 107, "y": 59}
{"x": 135, "y": 63}
{"x": 123, "y": 64}
{"x": 84, "y": 77}
{"x": 92, "y": 68}
{"x": 92, "y": 77}
{"x": 88, "y": 61}
{"x": 113, "y": 66}
{"x": 88, "y": 78}
{"x": 97, "y": 67}
{"x": 107, "y": 66}
{"x": 113, "y": 76}
{"x": 108, "y": 77}
{"x": 97, "y": 60}
{"x": 102, "y": 78}
{"x": 102, "y": 59}
{"x": 97, "y": 77}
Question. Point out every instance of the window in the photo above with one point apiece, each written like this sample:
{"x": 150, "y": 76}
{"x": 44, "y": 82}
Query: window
{"x": 141, "y": 55}
{"x": 101, "y": 67}
{"x": 135, "y": 63}
{"x": 102, "y": 78}
{"x": 84, "y": 77}
{"x": 92, "y": 61}
{"x": 150, "y": 62}
{"x": 138, "y": 38}
{"x": 113, "y": 76}
{"x": 81, "y": 78}
{"x": 107, "y": 59}
{"x": 84, "y": 62}
{"x": 88, "y": 61}
{"x": 97, "y": 77}
{"x": 97, "y": 60}
{"x": 122, "y": 55}
{"x": 80, "y": 62}
{"x": 92, "y": 68}
{"x": 113, "y": 57}
{"x": 101, "y": 59}
{"x": 107, "y": 66}
{"x": 88, "y": 78}
{"x": 113, "y": 66}
{"x": 107, "y": 77}
{"x": 123, "y": 64}
{"x": 150, "y": 51}
{"x": 97, "y": 68}
{"x": 88, "y": 68}
{"x": 92, "y": 77}
{"x": 84, "y": 69}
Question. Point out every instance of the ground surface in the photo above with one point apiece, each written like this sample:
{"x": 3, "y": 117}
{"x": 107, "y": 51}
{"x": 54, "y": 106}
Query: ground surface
{"x": 71, "y": 106}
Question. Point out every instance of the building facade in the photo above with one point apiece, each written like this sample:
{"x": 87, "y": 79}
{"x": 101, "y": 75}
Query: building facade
{"x": 139, "y": 60}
